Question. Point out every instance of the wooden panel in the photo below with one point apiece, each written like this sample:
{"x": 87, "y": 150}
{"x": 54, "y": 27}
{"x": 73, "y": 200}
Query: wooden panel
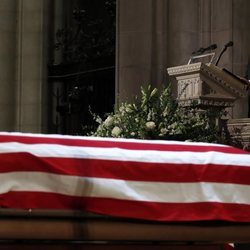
{"x": 77, "y": 246}
{"x": 106, "y": 229}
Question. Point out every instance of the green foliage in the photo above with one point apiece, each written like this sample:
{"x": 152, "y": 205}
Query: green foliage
{"x": 156, "y": 115}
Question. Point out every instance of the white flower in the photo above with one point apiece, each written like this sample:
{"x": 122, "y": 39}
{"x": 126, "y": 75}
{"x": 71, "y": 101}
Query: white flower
{"x": 150, "y": 125}
{"x": 99, "y": 120}
{"x": 166, "y": 111}
{"x": 109, "y": 121}
{"x": 128, "y": 109}
{"x": 132, "y": 133}
{"x": 99, "y": 128}
{"x": 121, "y": 109}
{"x": 149, "y": 117}
{"x": 116, "y": 131}
{"x": 172, "y": 126}
{"x": 164, "y": 131}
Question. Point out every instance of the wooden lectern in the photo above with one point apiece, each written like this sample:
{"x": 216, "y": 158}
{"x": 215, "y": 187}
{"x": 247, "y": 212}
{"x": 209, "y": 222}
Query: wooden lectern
{"x": 207, "y": 85}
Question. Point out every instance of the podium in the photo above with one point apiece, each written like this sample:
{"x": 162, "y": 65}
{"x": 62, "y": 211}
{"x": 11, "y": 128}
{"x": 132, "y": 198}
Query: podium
{"x": 207, "y": 85}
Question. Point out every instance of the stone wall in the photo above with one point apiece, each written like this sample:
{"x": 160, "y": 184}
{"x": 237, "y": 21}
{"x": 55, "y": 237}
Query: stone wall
{"x": 153, "y": 35}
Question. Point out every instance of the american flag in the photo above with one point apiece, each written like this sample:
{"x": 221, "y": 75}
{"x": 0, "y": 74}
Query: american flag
{"x": 142, "y": 179}
{"x": 229, "y": 246}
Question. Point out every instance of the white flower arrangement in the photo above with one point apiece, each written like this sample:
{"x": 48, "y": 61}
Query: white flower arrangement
{"x": 156, "y": 115}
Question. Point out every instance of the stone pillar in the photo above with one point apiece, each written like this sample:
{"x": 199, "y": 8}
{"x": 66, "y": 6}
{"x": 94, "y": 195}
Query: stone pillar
{"x": 31, "y": 80}
{"x": 141, "y": 46}
{"x": 222, "y": 29}
{"x": 183, "y": 31}
{"x": 7, "y": 64}
{"x": 205, "y": 23}
{"x": 241, "y": 49}
{"x": 230, "y": 21}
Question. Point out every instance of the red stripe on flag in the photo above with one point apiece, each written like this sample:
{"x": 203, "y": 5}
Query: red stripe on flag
{"x": 125, "y": 170}
{"x": 155, "y": 211}
{"x": 129, "y": 144}
{"x": 229, "y": 246}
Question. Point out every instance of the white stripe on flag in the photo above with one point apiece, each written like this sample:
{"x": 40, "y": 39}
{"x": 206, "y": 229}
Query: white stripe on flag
{"x": 125, "y": 190}
{"x": 109, "y": 139}
{"x": 55, "y": 150}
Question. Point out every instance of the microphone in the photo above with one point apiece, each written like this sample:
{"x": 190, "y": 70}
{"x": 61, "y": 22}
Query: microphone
{"x": 229, "y": 44}
{"x": 199, "y": 51}
{"x": 202, "y": 50}
{"x": 211, "y": 47}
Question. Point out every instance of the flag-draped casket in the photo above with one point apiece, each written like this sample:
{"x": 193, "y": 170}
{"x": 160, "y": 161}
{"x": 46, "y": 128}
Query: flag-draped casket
{"x": 153, "y": 180}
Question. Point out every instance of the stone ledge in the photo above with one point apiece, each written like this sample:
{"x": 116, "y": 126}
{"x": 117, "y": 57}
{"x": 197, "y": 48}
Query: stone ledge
{"x": 239, "y": 130}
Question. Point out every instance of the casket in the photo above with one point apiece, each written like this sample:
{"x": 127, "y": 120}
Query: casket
{"x": 103, "y": 189}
